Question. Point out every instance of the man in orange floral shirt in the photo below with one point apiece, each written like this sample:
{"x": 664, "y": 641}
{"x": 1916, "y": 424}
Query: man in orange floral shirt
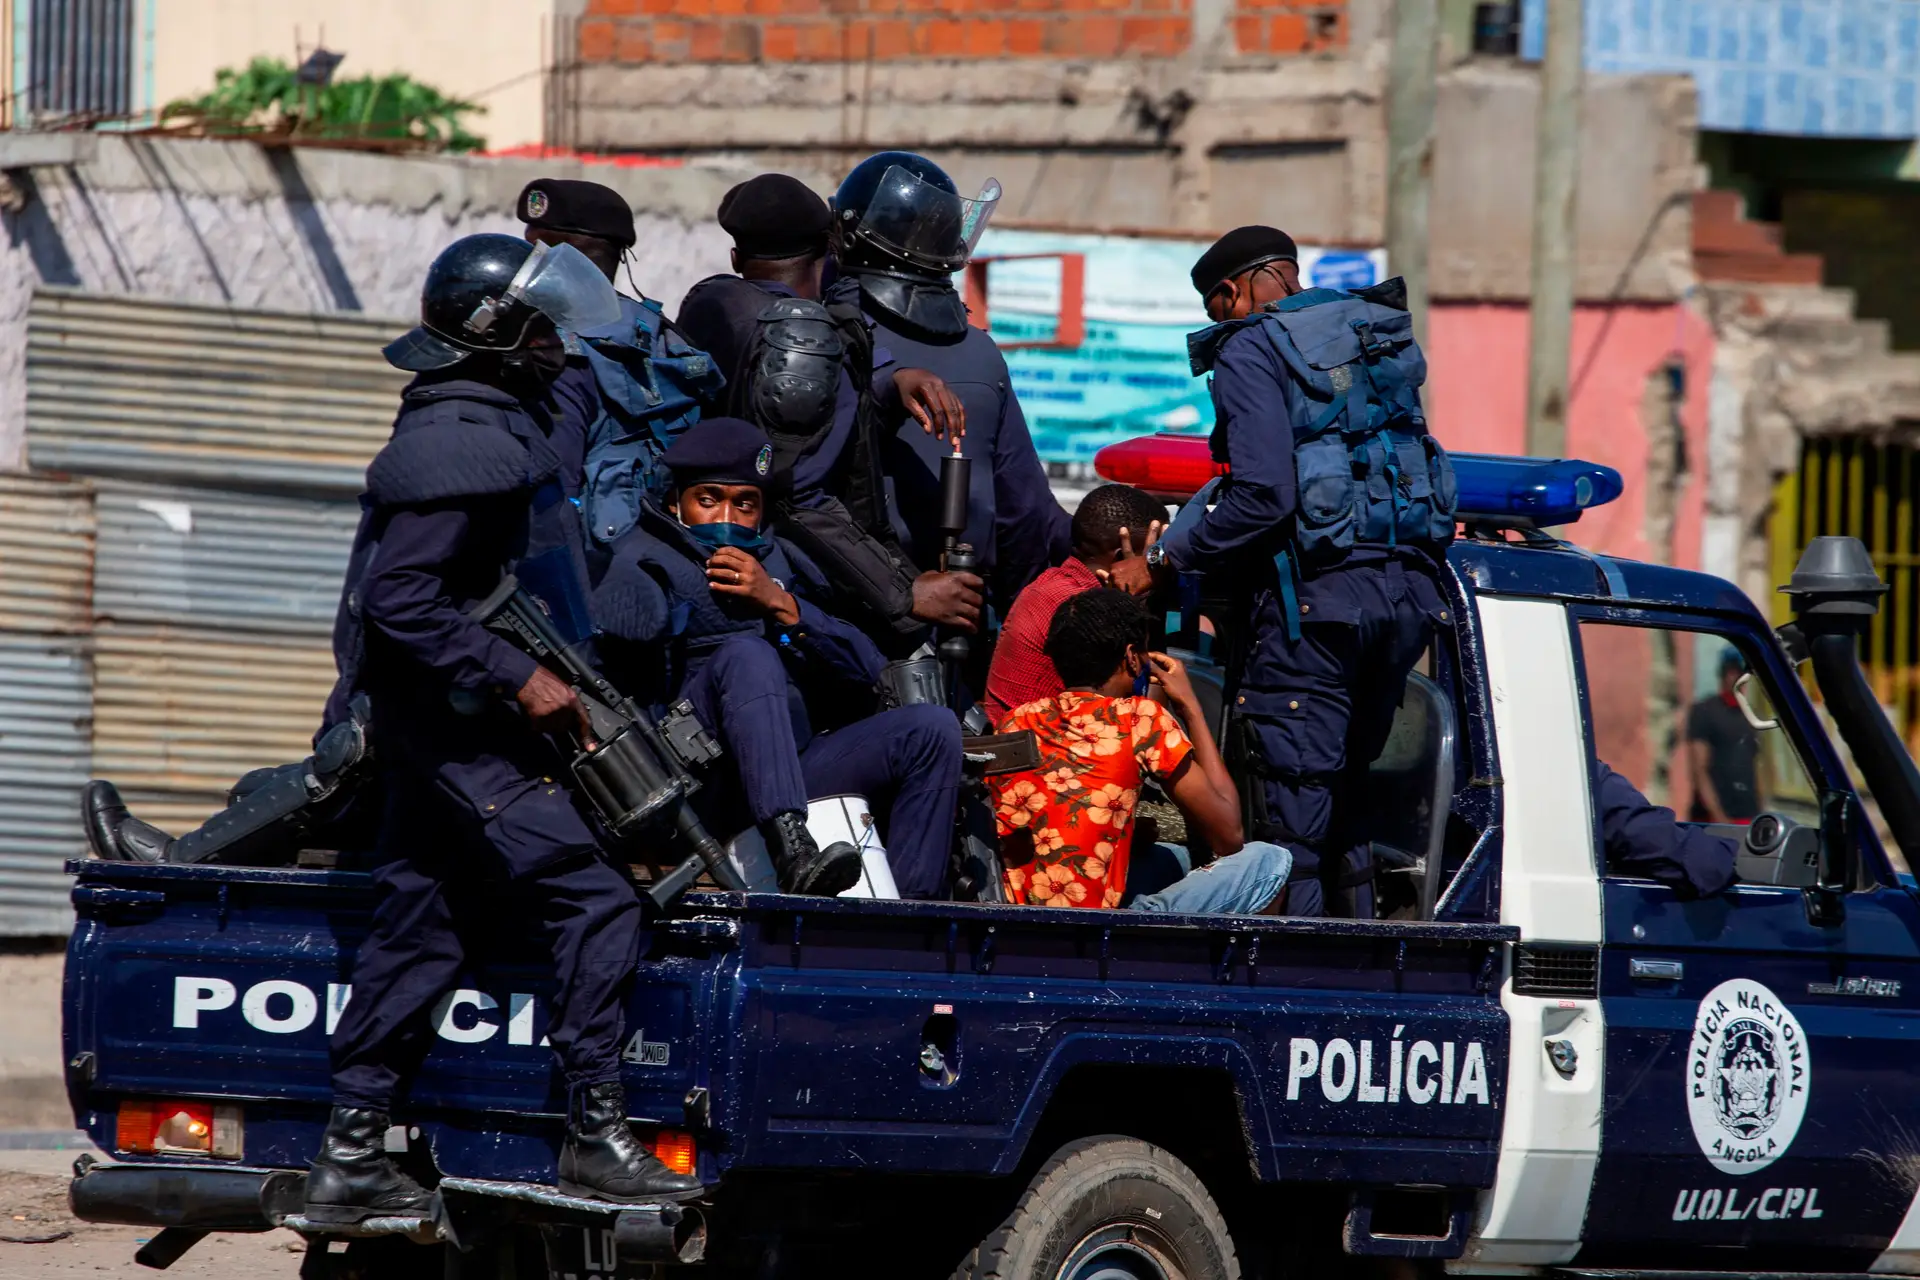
{"x": 1066, "y": 828}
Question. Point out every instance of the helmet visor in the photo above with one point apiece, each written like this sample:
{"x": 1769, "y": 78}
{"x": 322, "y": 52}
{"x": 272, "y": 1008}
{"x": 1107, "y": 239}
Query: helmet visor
{"x": 418, "y": 351}
{"x": 561, "y": 283}
{"x": 925, "y": 225}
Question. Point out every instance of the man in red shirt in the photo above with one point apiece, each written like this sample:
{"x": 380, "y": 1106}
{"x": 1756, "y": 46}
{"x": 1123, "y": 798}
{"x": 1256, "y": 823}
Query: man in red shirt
{"x": 1066, "y": 827}
{"x": 1021, "y": 671}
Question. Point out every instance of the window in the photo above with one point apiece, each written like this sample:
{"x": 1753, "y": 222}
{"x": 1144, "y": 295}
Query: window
{"x": 81, "y": 59}
{"x": 1685, "y": 717}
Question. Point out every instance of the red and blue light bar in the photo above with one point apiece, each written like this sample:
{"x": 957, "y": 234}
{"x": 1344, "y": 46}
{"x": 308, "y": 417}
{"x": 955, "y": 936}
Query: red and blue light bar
{"x": 1495, "y": 489}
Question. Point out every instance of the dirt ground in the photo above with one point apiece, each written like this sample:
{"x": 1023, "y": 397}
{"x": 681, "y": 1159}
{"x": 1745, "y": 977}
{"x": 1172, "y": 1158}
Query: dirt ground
{"x": 33, "y": 1206}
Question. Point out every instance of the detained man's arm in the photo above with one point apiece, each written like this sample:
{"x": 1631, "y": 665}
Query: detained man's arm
{"x": 1250, "y": 390}
{"x": 1200, "y": 786}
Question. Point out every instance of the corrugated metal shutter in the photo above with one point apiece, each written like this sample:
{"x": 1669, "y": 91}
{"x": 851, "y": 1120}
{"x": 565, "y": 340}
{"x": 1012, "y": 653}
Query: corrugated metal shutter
{"x": 212, "y": 559}
{"x": 46, "y": 555}
{"x": 44, "y": 694}
{"x": 166, "y": 392}
{"x": 180, "y": 712}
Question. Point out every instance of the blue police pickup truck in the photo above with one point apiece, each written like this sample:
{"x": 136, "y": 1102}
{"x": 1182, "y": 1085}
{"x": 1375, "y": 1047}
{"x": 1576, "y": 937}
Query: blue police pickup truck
{"x": 1539, "y": 1064}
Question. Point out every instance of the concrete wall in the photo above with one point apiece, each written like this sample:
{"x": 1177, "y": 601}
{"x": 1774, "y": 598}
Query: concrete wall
{"x": 1103, "y": 115}
{"x": 296, "y": 230}
{"x": 1620, "y": 415}
{"x": 489, "y": 51}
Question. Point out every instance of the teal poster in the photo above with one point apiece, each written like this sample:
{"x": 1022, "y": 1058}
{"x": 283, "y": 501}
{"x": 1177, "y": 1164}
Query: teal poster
{"x": 1128, "y": 376}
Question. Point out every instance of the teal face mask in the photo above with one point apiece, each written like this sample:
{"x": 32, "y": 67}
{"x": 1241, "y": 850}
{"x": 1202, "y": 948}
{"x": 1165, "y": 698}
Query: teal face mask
{"x": 724, "y": 533}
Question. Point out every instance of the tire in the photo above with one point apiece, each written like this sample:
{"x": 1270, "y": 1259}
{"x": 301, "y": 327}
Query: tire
{"x": 1109, "y": 1207}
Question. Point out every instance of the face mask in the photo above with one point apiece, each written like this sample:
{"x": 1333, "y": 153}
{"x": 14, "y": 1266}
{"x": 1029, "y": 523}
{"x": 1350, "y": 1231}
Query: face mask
{"x": 1141, "y": 682}
{"x": 724, "y": 533}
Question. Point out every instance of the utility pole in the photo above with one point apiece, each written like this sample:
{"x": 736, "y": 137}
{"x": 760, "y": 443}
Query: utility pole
{"x": 1555, "y": 187}
{"x": 1410, "y": 99}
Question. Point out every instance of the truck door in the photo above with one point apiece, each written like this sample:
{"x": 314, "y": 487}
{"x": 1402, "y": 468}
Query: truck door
{"x": 1759, "y": 1074}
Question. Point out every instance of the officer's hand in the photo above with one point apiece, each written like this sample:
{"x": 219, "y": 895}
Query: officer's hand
{"x": 932, "y": 403}
{"x": 733, "y": 572}
{"x": 552, "y": 706}
{"x": 1130, "y": 571}
{"x": 950, "y": 599}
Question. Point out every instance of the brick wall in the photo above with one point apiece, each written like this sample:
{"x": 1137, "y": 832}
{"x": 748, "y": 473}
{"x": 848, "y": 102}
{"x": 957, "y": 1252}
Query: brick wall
{"x": 746, "y": 31}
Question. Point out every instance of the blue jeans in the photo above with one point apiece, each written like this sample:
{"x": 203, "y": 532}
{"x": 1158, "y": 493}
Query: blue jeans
{"x": 1238, "y": 884}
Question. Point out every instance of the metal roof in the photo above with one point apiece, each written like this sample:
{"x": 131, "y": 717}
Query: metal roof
{"x": 199, "y": 556}
{"x": 46, "y": 555}
{"x": 44, "y": 695}
{"x": 187, "y": 709}
{"x": 161, "y": 391}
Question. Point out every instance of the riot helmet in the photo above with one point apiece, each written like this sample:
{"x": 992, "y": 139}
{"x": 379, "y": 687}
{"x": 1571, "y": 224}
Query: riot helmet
{"x": 485, "y": 293}
{"x": 900, "y": 213}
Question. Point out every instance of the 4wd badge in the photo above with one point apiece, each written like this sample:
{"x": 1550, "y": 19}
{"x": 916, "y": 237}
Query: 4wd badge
{"x": 1748, "y": 1072}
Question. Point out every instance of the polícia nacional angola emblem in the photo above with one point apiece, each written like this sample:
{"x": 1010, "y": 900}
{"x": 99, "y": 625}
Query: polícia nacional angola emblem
{"x": 1748, "y": 1076}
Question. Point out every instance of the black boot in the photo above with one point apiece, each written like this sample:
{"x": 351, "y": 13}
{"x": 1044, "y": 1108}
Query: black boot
{"x": 604, "y": 1160}
{"x": 354, "y": 1179}
{"x": 803, "y": 866}
{"x": 115, "y": 834}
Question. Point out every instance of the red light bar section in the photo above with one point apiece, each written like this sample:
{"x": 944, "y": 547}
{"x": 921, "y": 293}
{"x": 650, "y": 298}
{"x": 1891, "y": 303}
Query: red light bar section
{"x": 1167, "y": 466}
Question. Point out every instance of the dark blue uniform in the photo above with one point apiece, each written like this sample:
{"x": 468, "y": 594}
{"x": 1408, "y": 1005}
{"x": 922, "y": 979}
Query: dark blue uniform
{"x": 1013, "y": 521}
{"x": 763, "y": 689}
{"x": 1641, "y": 838}
{"x": 474, "y": 481}
{"x": 1315, "y": 711}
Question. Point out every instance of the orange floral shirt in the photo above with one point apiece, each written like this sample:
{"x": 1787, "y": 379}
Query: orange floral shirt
{"x": 1078, "y": 805}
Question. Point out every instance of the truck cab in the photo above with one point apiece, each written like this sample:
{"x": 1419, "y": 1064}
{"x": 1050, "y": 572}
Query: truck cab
{"x": 1540, "y": 1064}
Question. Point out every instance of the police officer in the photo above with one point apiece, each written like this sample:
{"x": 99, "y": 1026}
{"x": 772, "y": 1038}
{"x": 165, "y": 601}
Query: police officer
{"x": 1641, "y": 838}
{"x": 702, "y": 604}
{"x": 648, "y": 381}
{"x": 808, "y": 373}
{"x": 900, "y": 231}
{"x": 475, "y": 479}
{"x": 1329, "y": 523}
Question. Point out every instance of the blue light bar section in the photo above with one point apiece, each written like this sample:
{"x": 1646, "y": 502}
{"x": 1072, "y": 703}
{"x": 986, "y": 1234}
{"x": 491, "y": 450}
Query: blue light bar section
{"x": 1495, "y": 489}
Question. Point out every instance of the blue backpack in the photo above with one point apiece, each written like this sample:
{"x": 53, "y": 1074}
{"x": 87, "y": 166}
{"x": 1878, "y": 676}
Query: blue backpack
{"x": 1367, "y": 470}
{"x": 652, "y": 384}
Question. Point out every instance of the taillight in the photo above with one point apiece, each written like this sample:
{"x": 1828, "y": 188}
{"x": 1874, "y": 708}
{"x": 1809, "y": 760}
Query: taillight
{"x": 150, "y": 1126}
{"x": 1167, "y": 466}
{"x": 675, "y": 1150}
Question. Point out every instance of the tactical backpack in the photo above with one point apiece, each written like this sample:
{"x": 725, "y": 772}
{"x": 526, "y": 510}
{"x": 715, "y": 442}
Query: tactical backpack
{"x": 651, "y": 389}
{"x": 1367, "y": 471}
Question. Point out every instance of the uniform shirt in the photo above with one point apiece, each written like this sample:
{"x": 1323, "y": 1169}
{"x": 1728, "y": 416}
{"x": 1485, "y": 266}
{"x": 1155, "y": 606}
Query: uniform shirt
{"x": 1077, "y": 807}
{"x": 1021, "y": 671}
{"x": 1253, "y": 434}
{"x": 1013, "y": 521}
{"x": 1733, "y": 752}
{"x": 1644, "y": 839}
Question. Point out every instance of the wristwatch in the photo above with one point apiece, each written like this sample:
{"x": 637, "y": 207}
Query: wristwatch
{"x": 1156, "y": 555}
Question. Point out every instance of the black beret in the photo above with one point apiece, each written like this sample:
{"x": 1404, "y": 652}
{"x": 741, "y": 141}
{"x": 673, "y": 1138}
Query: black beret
{"x": 1241, "y": 249}
{"x": 775, "y": 216}
{"x": 583, "y": 208}
{"x": 720, "y": 451}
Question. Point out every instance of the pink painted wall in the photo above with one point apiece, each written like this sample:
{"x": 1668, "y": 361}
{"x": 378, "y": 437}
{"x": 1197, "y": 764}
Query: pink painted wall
{"x": 1476, "y": 399}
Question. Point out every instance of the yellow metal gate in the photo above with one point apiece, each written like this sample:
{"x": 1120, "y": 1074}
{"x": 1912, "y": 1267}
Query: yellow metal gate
{"x": 1867, "y": 490}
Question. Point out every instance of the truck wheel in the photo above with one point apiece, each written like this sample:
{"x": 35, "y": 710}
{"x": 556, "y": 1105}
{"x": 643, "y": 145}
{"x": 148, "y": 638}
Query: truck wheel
{"x": 1109, "y": 1208}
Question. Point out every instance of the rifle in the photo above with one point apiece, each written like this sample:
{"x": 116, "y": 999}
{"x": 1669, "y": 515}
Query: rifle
{"x": 639, "y": 776}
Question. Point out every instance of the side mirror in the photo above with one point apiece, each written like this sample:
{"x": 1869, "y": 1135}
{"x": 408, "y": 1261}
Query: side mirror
{"x": 1839, "y": 836}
